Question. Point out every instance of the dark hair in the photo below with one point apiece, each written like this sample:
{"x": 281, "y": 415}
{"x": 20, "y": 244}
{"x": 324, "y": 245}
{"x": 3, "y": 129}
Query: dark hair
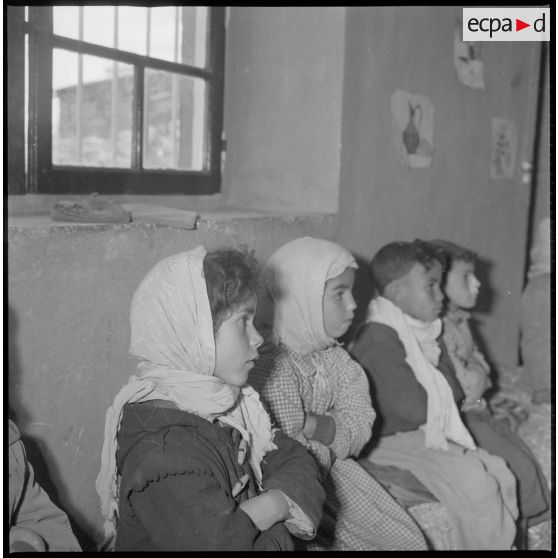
{"x": 232, "y": 277}
{"x": 450, "y": 252}
{"x": 396, "y": 259}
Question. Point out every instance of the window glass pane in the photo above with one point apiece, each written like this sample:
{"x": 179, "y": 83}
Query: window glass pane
{"x": 91, "y": 111}
{"x": 132, "y": 29}
{"x": 194, "y": 23}
{"x": 164, "y": 38}
{"x": 175, "y": 121}
{"x": 179, "y": 34}
{"x": 65, "y": 21}
{"x": 98, "y": 25}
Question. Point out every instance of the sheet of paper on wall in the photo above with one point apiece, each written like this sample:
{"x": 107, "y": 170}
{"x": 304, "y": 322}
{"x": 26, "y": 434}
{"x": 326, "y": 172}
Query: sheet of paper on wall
{"x": 412, "y": 119}
{"x": 504, "y": 148}
{"x": 466, "y": 58}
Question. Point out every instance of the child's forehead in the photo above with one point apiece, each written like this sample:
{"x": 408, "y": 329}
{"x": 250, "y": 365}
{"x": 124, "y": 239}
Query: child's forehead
{"x": 344, "y": 279}
{"x": 463, "y": 265}
{"x": 420, "y": 271}
{"x": 249, "y": 305}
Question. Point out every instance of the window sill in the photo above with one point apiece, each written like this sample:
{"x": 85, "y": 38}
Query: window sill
{"x": 207, "y": 219}
{"x": 33, "y": 211}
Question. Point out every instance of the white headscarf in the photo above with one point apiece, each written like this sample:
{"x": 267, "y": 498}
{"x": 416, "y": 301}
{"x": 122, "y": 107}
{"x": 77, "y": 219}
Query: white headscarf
{"x": 172, "y": 335}
{"x": 296, "y": 275}
{"x": 419, "y": 339}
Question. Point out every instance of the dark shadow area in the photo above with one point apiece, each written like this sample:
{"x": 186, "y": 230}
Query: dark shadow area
{"x": 16, "y": 412}
{"x": 485, "y": 302}
{"x": 48, "y": 478}
{"x": 487, "y": 294}
{"x": 363, "y": 290}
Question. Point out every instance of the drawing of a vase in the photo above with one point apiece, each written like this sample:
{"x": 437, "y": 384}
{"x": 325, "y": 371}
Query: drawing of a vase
{"x": 411, "y": 138}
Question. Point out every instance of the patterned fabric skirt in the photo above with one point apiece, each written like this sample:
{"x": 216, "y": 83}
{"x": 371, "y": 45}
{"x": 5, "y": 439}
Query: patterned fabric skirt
{"x": 477, "y": 488}
{"x": 360, "y": 515}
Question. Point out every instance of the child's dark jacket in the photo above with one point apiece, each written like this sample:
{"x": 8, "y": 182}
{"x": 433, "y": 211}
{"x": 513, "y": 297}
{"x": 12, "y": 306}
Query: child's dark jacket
{"x": 177, "y": 474}
{"x": 399, "y": 399}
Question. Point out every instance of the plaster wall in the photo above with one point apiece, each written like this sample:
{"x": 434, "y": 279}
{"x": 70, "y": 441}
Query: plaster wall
{"x": 282, "y": 119}
{"x": 542, "y": 198}
{"x": 69, "y": 292}
{"x": 411, "y": 48}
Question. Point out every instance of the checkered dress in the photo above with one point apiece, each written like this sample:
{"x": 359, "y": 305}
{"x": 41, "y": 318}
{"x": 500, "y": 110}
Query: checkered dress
{"x": 359, "y": 514}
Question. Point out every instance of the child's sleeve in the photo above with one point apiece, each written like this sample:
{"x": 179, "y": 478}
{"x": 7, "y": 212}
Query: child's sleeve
{"x": 281, "y": 394}
{"x": 35, "y": 510}
{"x": 398, "y": 398}
{"x": 293, "y": 471}
{"x": 471, "y": 369}
{"x": 352, "y": 410}
{"x": 183, "y": 506}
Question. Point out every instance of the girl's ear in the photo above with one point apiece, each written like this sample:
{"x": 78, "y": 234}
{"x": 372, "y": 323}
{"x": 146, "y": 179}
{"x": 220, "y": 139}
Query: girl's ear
{"x": 395, "y": 291}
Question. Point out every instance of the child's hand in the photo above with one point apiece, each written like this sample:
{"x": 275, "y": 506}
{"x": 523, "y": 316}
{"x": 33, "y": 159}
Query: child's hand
{"x": 310, "y": 424}
{"x": 266, "y": 509}
{"x": 475, "y": 385}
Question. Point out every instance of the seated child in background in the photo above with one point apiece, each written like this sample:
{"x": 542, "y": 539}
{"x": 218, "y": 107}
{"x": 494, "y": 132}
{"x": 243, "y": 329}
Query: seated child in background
{"x": 535, "y": 320}
{"x": 318, "y": 395}
{"x": 416, "y": 395}
{"x": 199, "y": 465}
{"x": 35, "y": 523}
{"x": 494, "y": 435}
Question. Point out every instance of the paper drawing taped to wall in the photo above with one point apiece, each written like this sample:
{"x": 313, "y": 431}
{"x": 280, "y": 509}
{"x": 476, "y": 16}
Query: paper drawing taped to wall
{"x": 466, "y": 59}
{"x": 412, "y": 118}
{"x": 504, "y": 147}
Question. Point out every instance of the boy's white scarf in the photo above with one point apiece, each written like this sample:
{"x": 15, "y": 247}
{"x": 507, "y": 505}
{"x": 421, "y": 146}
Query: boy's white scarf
{"x": 172, "y": 335}
{"x": 443, "y": 422}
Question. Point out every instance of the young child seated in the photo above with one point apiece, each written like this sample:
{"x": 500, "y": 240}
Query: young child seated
{"x": 35, "y": 523}
{"x": 319, "y": 396}
{"x": 190, "y": 460}
{"x": 461, "y": 287}
{"x": 416, "y": 395}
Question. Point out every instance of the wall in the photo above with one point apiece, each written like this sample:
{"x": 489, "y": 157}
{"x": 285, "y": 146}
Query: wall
{"x": 542, "y": 197}
{"x": 69, "y": 293}
{"x": 283, "y": 91}
{"x": 411, "y": 48}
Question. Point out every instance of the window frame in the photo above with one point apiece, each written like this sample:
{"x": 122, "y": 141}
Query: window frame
{"x": 45, "y": 178}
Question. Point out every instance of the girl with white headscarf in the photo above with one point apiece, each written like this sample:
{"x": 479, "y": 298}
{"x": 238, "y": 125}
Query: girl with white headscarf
{"x": 319, "y": 396}
{"x": 190, "y": 460}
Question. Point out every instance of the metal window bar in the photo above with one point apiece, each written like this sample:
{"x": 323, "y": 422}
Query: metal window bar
{"x": 79, "y": 93}
{"x": 174, "y": 124}
{"x": 114, "y": 95}
{"x": 199, "y": 93}
{"x": 143, "y": 108}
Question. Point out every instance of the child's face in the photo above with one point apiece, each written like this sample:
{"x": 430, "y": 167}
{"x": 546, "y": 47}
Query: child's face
{"x": 462, "y": 286}
{"x": 421, "y": 296}
{"x": 339, "y": 304}
{"x": 236, "y": 345}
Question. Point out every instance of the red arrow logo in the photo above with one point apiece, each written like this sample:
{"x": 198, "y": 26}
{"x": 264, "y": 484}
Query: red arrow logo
{"x": 519, "y": 25}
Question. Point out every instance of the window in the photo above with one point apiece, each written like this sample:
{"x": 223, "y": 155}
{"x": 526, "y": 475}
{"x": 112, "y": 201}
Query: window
{"x": 115, "y": 99}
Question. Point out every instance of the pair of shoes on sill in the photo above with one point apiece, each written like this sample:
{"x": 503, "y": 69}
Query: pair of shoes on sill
{"x": 90, "y": 210}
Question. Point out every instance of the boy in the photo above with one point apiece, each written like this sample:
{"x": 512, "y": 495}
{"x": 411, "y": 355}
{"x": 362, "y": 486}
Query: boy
{"x": 416, "y": 395}
{"x": 492, "y": 433}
